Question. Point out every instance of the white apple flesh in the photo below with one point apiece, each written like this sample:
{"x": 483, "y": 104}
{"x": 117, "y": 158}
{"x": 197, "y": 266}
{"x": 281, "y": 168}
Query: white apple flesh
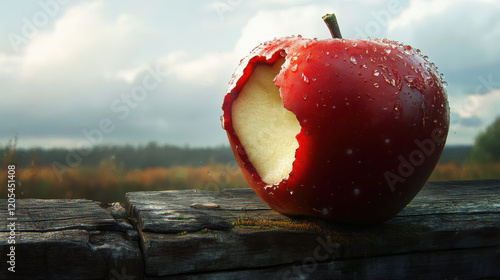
{"x": 266, "y": 129}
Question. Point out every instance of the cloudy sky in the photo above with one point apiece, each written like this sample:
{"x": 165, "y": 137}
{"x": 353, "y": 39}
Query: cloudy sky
{"x": 114, "y": 72}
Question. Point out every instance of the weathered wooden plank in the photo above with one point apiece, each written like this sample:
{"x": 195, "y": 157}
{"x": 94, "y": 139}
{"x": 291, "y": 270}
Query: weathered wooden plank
{"x": 450, "y": 231}
{"x": 59, "y": 254}
{"x": 478, "y": 263}
{"x": 176, "y": 211}
{"x": 170, "y": 211}
{"x": 461, "y": 197}
{"x": 447, "y": 216}
{"x": 70, "y": 239}
{"x": 59, "y": 214}
{"x": 167, "y": 254}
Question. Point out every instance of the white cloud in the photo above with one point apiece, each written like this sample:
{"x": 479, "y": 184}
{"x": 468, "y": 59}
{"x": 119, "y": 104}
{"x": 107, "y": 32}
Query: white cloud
{"x": 207, "y": 70}
{"x": 266, "y": 25}
{"x": 456, "y": 33}
{"x": 488, "y": 106}
{"x": 130, "y": 74}
{"x": 481, "y": 109}
{"x": 216, "y": 68}
{"x": 8, "y": 64}
{"x": 418, "y": 11}
{"x": 83, "y": 44}
{"x": 80, "y": 60}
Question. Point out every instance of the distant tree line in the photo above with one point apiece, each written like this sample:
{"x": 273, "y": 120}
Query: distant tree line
{"x": 487, "y": 146}
{"x": 131, "y": 157}
{"x": 455, "y": 154}
{"x": 155, "y": 155}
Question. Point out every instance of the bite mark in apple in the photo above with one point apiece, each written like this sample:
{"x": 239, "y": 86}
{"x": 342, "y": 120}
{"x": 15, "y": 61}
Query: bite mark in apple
{"x": 266, "y": 129}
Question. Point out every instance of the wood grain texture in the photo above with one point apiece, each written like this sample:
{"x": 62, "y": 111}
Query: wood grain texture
{"x": 70, "y": 239}
{"x": 451, "y": 230}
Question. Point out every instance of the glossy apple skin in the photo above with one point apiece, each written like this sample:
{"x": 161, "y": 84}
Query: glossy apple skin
{"x": 374, "y": 117}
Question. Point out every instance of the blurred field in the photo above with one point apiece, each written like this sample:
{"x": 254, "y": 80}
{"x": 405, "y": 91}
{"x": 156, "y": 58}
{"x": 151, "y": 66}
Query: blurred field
{"x": 109, "y": 182}
{"x": 465, "y": 171}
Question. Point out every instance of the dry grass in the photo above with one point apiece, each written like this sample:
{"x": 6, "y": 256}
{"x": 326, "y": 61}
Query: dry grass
{"x": 109, "y": 182}
{"x": 465, "y": 171}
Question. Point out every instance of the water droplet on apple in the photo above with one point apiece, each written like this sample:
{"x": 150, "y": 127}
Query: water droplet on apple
{"x": 291, "y": 191}
{"x": 435, "y": 121}
{"x": 294, "y": 67}
{"x": 305, "y": 78}
{"x": 356, "y": 192}
{"x": 349, "y": 151}
{"x": 387, "y": 141}
{"x": 396, "y": 110}
{"x": 353, "y": 60}
{"x": 299, "y": 36}
{"x": 376, "y": 85}
{"x": 328, "y": 53}
{"x": 222, "y": 119}
{"x": 294, "y": 58}
{"x": 354, "y": 44}
{"x": 347, "y": 103}
{"x": 333, "y": 107}
{"x": 283, "y": 53}
{"x": 364, "y": 66}
{"x": 376, "y": 73}
{"x": 309, "y": 57}
{"x": 387, "y": 51}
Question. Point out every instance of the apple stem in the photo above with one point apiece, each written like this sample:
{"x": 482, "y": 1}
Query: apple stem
{"x": 333, "y": 25}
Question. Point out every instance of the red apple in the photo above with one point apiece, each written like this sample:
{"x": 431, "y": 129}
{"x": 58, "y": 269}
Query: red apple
{"x": 339, "y": 129}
